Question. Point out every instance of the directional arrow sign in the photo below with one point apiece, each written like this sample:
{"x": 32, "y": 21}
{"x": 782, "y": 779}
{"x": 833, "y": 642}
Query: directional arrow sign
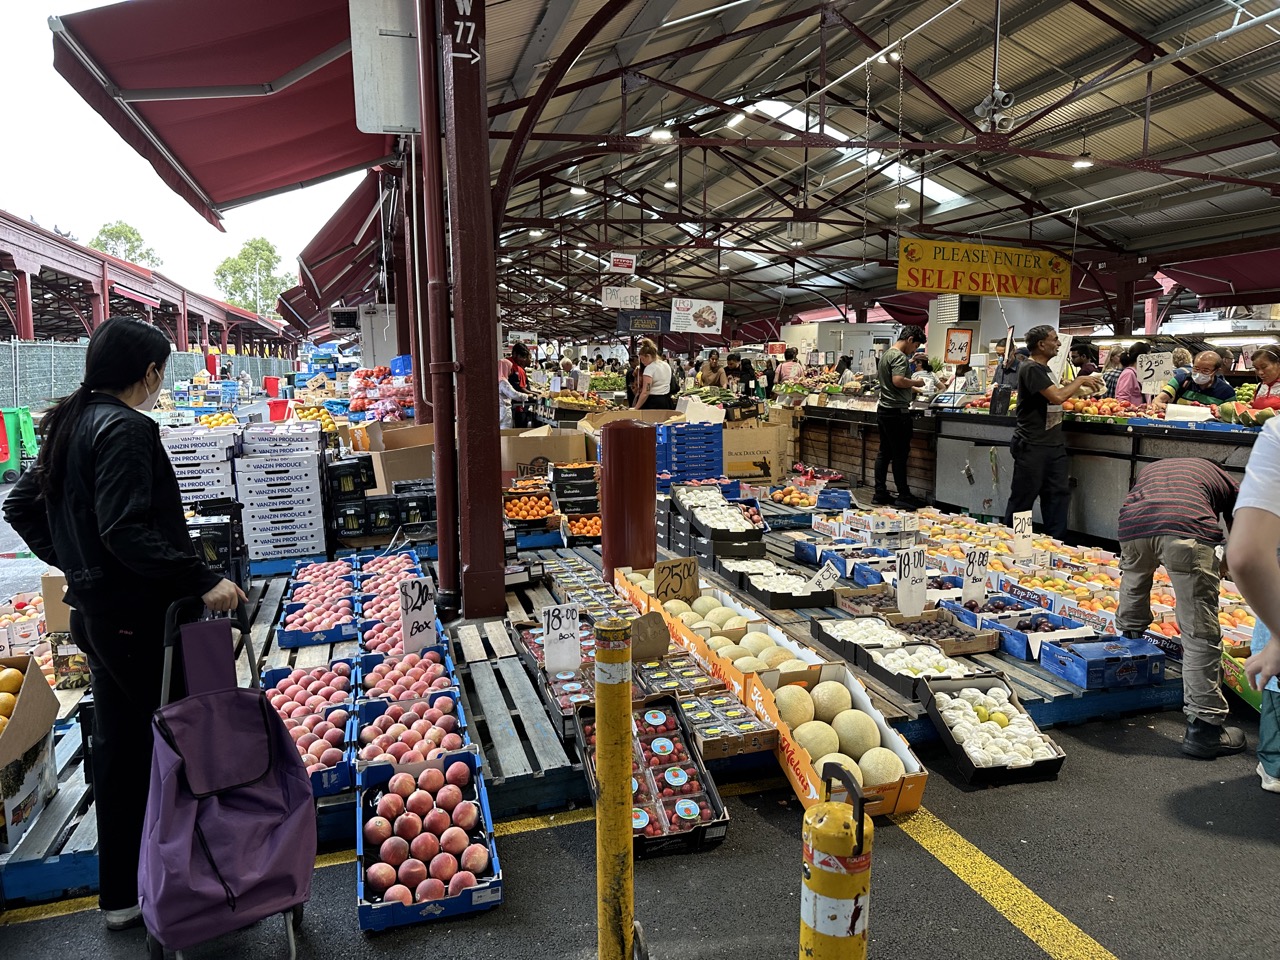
{"x": 473, "y": 54}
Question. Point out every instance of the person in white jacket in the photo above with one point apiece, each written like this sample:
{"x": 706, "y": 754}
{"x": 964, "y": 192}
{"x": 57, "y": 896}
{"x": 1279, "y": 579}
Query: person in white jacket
{"x": 506, "y": 393}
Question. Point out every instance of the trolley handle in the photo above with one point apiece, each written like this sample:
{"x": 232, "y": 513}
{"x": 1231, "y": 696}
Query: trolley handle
{"x": 834, "y": 771}
{"x": 191, "y": 609}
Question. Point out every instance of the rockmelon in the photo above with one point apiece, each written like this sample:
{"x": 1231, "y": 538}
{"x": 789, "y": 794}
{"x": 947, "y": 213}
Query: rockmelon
{"x": 881, "y": 765}
{"x": 688, "y": 618}
{"x": 721, "y": 615}
{"x": 634, "y": 577}
{"x": 857, "y": 731}
{"x": 755, "y": 642}
{"x": 774, "y": 656}
{"x": 788, "y": 665}
{"x": 830, "y": 698}
{"x": 646, "y": 586}
{"x": 736, "y": 623}
{"x": 847, "y": 762}
{"x": 704, "y": 605}
{"x": 817, "y": 739}
{"x": 711, "y": 629}
{"x": 732, "y": 652}
{"x": 715, "y": 643}
{"x": 675, "y": 607}
{"x": 794, "y": 705}
{"x": 750, "y": 664}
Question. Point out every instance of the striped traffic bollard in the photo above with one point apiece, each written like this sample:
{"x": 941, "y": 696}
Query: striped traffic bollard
{"x": 836, "y": 891}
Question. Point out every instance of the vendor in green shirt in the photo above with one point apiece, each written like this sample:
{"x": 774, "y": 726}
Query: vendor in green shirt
{"x": 1202, "y": 383}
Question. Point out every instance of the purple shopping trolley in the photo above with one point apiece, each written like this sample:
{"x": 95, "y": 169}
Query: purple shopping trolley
{"x": 230, "y": 831}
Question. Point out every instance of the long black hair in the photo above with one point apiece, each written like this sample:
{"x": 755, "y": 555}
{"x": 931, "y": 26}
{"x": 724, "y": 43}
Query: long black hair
{"x": 120, "y": 352}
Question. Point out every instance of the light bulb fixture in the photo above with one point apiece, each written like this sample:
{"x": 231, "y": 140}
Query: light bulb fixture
{"x": 797, "y": 243}
{"x": 661, "y": 134}
{"x": 578, "y": 190}
{"x": 902, "y": 204}
{"x": 581, "y": 245}
{"x": 895, "y": 54}
{"x": 1084, "y": 161}
{"x": 535, "y": 232}
{"x": 670, "y": 183}
{"x": 736, "y": 119}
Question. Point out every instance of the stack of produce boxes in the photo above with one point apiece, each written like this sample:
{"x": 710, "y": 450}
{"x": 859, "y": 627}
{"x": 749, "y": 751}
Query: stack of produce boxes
{"x": 348, "y": 479}
{"x": 575, "y": 492}
{"x": 202, "y": 459}
{"x": 689, "y": 451}
{"x": 278, "y": 479}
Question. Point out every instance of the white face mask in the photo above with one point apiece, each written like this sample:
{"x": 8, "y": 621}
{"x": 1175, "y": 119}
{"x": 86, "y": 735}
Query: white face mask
{"x": 152, "y": 397}
{"x": 1203, "y": 379}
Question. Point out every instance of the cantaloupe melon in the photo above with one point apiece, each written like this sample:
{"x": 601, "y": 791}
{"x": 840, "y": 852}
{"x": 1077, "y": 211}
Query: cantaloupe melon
{"x": 857, "y": 731}
{"x": 881, "y": 765}
{"x": 749, "y": 664}
{"x": 711, "y": 629}
{"x": 847, "y": 762}
{"x": 688, "y": 618}
{"x": 646, "y": 586}
{"x": 774, "y": 656}
{"x": 830, "y": 698}
{"x": 794, "y": 705}
{"x": 634, "y": 577}
{"x": 817, "y": 738}
{"x": 704, "y": 605}
{"x": 675, "y": 607}
{"x": 721, "y": 615}
{"x": 787, "y": 665}
{"x": 732, "y": 652}
{"x": 715, "y": 643}
{"x": 736, "y": 623}
{"x": 755, "y": 642}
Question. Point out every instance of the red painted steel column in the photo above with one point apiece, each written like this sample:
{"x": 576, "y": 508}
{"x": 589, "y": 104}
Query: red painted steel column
{"x": 204, "y": 335}
{"x": 439, "y": 354}
{"x": 400, "y": 277}
{"x": 181, "y": 336}
{"x": 26, "y": 316}
{"x": 475, "y": 306}
{"x": 415, "y": 245}
{"x": 1153, "y": 314}
{"x": 628, "y": 492}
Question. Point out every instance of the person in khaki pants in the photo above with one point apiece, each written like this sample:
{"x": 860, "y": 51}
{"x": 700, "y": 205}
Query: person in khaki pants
{"x": 1171, "y": 517}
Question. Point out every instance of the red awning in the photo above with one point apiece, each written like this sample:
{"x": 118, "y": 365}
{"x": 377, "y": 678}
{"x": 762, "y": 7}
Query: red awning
{"x": 338, "y": 258}
{"x": 183, "y": 84}
{"x": 298, "y": 310}
{"x": 1244, "y": 280}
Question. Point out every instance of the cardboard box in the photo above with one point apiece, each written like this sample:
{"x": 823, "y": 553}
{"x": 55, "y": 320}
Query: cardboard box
{"x": 401, "y": 453}
{"x": 1113, "y": 662}
{"x": 33, "y": 714}
{"x": 26, "y": 785}
{"x": 1234, "y": 678}
{"x": 525, "y": 451}
{"x": 57, "y": 615}
{"x": 756, "y": 451}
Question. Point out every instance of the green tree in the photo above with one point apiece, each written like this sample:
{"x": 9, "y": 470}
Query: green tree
{"x": 123, "y": 240}
{"x": 249, "y": 279}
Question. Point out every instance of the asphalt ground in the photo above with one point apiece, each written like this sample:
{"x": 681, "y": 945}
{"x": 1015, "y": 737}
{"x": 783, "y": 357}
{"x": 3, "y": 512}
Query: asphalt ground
{"x": 1134, "y": 852}
{"x": 16, "y": 576}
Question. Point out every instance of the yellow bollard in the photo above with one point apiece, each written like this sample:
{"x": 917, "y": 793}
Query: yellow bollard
{"x": 836, "y": 892}
{"x": 615, "y": 907}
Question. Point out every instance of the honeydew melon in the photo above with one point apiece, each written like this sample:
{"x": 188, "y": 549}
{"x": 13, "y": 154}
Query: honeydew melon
{"x": 847, "y": 762}
{"x": 817, "y": 738}
{"x": 881, "y": 765}
{"x": 857, "y": 731}
{"x": 794, "y": 705}
{"x": 755, "y": 642}
{"x": 829, "y": 699}
{"x": 704, "y": 605}
{"x": 721, "y": 615}
{"x": 750, "y": 664}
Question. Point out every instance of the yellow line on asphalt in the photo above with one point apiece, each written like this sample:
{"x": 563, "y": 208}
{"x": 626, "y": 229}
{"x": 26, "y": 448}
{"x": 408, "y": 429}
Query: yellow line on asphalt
{"x": 48, "y": 911}
{"x": 1049, "y": 930}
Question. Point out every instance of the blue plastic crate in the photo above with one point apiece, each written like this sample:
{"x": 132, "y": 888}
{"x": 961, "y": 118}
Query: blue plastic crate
{"x": 311, "y": 638}
{"x": 485, "y": 895}
{"x": 402, "y": 366}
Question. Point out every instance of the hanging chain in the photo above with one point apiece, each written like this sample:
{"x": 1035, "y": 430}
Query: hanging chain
{"x": 866, "y": 161}
{"x": 902, "y": 69}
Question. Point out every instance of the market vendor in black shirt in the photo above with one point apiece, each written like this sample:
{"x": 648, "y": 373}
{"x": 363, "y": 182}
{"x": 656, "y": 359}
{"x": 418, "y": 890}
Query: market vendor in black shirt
{"x": 1039, "y": 448}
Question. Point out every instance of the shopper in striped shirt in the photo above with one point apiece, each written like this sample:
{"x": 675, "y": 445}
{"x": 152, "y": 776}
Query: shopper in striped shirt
{"x": 1171, "y": 517}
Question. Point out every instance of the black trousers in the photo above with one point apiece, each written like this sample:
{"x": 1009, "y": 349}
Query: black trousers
{"x": 1040, "y": 471}
{"x": 126, "y": 661}
{"x": 895, "y": 447}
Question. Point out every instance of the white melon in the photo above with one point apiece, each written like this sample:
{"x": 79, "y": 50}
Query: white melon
{"x": 830, "y": 698}
{"x": 857, "y": 731}
{"x": 794, "y": 705}
{"x": 817, "y": 738}
{"x": 881, "y": 765}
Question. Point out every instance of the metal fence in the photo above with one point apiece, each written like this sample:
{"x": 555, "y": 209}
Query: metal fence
{"x": 34, "y": 374}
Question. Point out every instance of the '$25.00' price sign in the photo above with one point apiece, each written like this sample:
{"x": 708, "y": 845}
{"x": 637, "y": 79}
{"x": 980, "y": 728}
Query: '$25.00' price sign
{"x": 676, "y": 580}
{"x": 561, "y": 647}
{"x": 911, "y": 581}
{"x": 976, "y": 562}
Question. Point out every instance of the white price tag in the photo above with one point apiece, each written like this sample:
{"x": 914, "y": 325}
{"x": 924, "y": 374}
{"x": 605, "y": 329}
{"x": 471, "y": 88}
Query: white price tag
{"x": 1154, "y": 371}
{"x": 911, "y": 581}
{"x": 1022, "y": 534}
{"x": 976, "y": 562}
{"x": 417, "y": 615}
{"x": 556, "y": 386}
{"x": 826, "y": 578}
{"x": 560, "y": 645}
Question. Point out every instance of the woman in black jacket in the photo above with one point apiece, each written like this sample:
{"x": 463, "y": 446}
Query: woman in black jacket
{"x": 102, "y": 503}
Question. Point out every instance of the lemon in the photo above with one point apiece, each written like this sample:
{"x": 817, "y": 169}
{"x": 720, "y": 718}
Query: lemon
{"x": 981, "y": 713}
{"x": 10, "y": 680}
{"x": 1000, "y": 718}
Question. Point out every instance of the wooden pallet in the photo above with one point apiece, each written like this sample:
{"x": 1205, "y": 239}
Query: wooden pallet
{"x": 270, "y": 655}
{"x": 525, "y": 763}
{"x": 476, "y": 641}
{"x": 58, "y": 855}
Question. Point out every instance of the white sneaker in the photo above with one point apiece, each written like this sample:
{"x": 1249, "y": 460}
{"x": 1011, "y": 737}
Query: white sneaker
{"x": 126, "y": 918}
{"x": 1269, "y": 783}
